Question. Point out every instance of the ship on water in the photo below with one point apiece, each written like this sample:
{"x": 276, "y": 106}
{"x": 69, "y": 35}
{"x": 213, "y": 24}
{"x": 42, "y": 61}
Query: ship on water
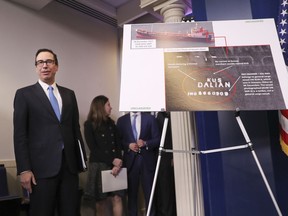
{"x": 196, "y": 33}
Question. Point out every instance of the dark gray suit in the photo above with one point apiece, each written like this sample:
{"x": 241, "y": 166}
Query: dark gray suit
{"x": 39, "y": 139}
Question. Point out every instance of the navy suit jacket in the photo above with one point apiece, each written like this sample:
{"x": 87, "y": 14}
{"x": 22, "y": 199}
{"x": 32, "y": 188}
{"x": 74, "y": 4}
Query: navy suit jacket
{"x": 38, "y": 134}
{"x": 149, "y": 133}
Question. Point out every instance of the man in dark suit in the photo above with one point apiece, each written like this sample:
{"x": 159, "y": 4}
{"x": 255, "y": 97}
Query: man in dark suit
{"x": 45, "y": 146}
{"x": 140, "y": 155}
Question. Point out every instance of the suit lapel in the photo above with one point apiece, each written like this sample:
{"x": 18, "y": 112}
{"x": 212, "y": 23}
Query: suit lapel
{"x": 41, "y": 95}
{"x": 142, "y": 126}
{"x": 66, "y": 99}
{"x": 129, "y": 125}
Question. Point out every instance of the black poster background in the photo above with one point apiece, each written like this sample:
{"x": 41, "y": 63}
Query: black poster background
{"x": 222, "y": 78}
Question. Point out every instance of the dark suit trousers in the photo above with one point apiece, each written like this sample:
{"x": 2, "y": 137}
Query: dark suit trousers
{"x": 137, "y": 174}
{"x": 59, "y": 192}
{"x": 165, "y": 189}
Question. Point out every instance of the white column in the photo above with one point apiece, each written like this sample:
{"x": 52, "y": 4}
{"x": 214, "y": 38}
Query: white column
{"x": 173, "y": 12}
{"x": 170, "y": 10}
{"x": 188, "y": 185}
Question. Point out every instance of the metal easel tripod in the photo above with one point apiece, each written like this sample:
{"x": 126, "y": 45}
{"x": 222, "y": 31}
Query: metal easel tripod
{"x": 248, "y": 144}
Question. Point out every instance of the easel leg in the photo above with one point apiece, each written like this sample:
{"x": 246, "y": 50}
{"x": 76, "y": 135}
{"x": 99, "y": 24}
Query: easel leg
{"x": 249, "y": 144}
{"x": 157, "y": 165}
{"x": 257, "y": 161}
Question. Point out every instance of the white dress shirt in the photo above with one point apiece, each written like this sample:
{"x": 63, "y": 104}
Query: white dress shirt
{"x": 55, "y": 91}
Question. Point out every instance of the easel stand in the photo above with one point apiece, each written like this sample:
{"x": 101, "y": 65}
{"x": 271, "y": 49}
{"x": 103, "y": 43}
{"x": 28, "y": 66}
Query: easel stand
{"x": 248, "y": 145}
{"x": 161, "y": 149}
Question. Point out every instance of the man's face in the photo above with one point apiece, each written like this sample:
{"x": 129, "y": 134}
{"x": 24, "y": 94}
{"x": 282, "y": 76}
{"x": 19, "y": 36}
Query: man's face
{"x": 46, "y": 67}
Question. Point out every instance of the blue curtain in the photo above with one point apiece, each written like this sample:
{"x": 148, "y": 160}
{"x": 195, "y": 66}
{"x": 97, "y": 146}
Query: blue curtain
{"x": 264, "y": 8}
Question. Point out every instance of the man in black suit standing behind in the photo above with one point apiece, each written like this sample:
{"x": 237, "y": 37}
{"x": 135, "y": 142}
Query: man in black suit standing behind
{"x": 45, "y": 141}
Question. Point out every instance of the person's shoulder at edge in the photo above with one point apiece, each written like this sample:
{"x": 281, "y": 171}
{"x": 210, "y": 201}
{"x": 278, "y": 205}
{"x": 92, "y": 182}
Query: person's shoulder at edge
{"x": 87, "y": 122}
{"x": 123, "y": 116}
{"x": 26, "y": 87}
{"x": 64, "y": 88}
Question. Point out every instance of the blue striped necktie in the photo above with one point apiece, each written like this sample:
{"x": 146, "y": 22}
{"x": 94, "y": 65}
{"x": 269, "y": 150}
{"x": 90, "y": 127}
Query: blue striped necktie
{"x": 54, "y": 102}
{"x": 134, "y": 126}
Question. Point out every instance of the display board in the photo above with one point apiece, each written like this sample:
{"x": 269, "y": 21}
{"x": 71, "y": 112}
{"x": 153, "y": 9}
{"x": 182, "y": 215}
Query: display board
{"x": 218, "y": 65}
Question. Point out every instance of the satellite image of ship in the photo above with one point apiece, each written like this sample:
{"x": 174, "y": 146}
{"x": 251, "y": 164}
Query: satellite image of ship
{"x": 196, "y": 33}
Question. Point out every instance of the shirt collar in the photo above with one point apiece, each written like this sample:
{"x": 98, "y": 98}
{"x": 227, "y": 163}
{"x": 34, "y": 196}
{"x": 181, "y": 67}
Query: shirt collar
{"x": 45, "y": 85}
{"x": 134, "y": 113}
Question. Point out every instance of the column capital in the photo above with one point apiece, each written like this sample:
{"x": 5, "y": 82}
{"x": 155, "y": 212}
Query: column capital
{"x": 171, "y": 10}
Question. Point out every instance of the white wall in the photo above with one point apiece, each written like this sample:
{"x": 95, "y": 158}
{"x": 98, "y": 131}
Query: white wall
{"x": 87, "y": 50}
